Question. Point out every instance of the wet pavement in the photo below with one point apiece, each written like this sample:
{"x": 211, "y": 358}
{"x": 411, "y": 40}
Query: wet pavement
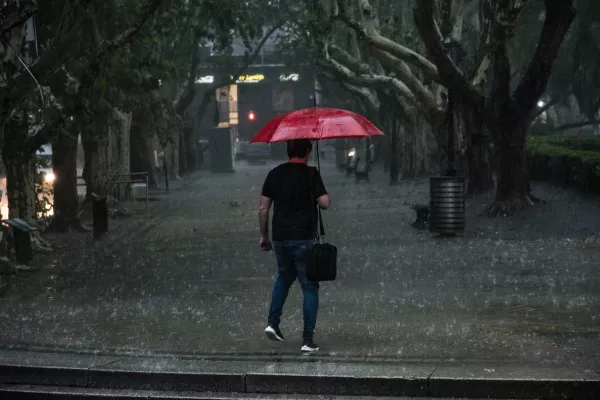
{"x": 187, "y": 277}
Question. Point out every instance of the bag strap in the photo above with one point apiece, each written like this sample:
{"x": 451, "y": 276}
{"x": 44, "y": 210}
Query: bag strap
{"x": 313, "y": 198}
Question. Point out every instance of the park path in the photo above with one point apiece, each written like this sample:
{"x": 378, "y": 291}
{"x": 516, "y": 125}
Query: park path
{"x": 188, "y": 278}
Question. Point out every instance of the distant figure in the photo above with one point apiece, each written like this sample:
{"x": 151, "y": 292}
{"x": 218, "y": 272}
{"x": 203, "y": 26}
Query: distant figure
{"x": 294, "y": 232}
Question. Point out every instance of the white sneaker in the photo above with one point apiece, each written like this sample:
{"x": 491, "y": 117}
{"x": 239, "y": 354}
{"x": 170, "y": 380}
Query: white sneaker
{"x": 274, "y": 334}
{"x": 309, "y": 347}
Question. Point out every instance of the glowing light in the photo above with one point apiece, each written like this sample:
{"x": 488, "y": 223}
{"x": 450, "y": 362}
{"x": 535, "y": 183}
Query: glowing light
{"x": 251, "y": 116}
{"x": 255, "y": 78}
{"x": 205, "y": 79}
{"x": 290, "y": 77}
{"x": 49, "y": 177}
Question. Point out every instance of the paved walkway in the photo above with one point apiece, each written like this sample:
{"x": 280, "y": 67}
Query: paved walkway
{"x": 188, "y": 277}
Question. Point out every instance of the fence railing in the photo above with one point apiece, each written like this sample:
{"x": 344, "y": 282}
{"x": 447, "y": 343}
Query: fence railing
{"x": 142, "y": 177}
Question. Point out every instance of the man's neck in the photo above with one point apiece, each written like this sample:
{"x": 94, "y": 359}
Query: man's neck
{"x": 298, "y": 160}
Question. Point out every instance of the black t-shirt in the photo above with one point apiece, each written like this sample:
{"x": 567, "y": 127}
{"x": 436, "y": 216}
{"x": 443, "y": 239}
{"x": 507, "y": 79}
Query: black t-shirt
{"x": 288, "y": 185}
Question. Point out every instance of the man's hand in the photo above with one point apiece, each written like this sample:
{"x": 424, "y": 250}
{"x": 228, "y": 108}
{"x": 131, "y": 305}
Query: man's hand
{"x": 265, "y": 244}
{"x": 263, "y": 223}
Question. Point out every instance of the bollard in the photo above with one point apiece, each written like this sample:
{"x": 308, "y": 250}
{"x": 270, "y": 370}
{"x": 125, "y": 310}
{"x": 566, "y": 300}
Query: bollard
{"x": 22, "y": 235}
{"x": 100, "y": 215}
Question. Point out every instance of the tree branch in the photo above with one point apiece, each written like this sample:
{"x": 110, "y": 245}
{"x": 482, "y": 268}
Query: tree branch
{"x": 20, "y": 84}
{"x": 451, "y": 76}
{"x": 559, "y": 16}
{"x": 485, "y": 46}
{"x": 116, "y": 43}
{"x": 23, "y": 9}
{"x": 365, "y": 94}
{"x": 363, "y": 78}
{"x": 188, "y": 96}
{"x": 369, "y": 32}
{"x": 500, "y": 93}
{"x": 426, "y": 99}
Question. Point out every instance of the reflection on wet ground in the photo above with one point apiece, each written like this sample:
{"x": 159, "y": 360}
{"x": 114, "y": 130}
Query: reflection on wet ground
{"x": 188, "y": 277}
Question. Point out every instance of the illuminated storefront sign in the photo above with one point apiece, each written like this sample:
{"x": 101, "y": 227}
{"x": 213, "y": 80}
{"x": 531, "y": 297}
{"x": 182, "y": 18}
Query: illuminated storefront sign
{"x": 206, "y": 79}
{"x": 254, "y": 78}
{"x": 290, "y": 77}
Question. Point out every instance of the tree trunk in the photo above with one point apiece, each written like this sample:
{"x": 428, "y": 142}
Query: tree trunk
{"x": 142, "y": 144}
{"x": 64, "y": 163}
{"x": 414, "y": 146}
{"x": 474, "y": 154}
{"x": 191, "y": 143}
{"x": 96, "y": 169}
{"x": 20, "y": 182}
{"x": 21, "y": 173}
{"x": 183, "y": 166}
{"x": 513, "y": 188}
{"x": 393, "y": 153}
{"x": 120, "y": 126}
{"x": 174, "y": 157}
{"x": 19, "y": 162}
{"x": 479, "y": 166}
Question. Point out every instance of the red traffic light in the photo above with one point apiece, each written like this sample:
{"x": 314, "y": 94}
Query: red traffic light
{"x": 251, "y": 116}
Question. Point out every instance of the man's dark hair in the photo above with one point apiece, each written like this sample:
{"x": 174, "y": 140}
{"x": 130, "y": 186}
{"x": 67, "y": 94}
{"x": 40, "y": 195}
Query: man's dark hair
{"x": 299, "y": 148}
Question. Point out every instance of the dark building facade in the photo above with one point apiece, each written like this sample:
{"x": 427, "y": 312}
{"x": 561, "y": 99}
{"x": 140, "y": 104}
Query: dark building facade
{"x": 264, "y": 90}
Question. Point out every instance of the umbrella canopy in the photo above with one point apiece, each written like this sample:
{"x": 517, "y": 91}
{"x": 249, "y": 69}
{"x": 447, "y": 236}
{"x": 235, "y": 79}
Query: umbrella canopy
{"x": 316, "y": 123}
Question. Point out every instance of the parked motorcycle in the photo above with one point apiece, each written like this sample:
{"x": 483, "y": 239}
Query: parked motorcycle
{"x": 352, "y": 161}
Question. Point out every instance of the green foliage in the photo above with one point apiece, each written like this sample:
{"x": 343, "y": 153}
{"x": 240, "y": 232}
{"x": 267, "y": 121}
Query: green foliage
{"x": 583, "y": 148}
{"x": 589, "y": 143}
{"x": 566, "y": 160}
{"x": 542, "y": 129}
{"x": 297, "y": 45}
{"x": 44, "y": 192}
{"x": 167, "y": 122}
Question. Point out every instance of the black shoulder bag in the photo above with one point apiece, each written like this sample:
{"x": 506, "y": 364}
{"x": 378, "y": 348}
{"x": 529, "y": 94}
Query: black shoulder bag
{"x": 322, "y": 257}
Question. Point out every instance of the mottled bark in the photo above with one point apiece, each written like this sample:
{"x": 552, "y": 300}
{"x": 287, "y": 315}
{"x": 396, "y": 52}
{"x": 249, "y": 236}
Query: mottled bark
{"x": 506, "y": 114}
{"x": 473, "y": 152}
{"x": 415, "y": 147}
{"x": 120, "y": 126}
{"x": 20, "y": 182}
{"x": 183, "y": 166}
{"x": 64, "y": 163}
{"x": 173, "y": 157}
{"x": 95, "y": 141}
{"x": 479, "y": 165}
{"x": 513, "y": 189}
{"x": 143, "y": 144}
{"x": 19, "y": 162}
{"x": 393, "y": 151}
{"x": 189, "y": 138}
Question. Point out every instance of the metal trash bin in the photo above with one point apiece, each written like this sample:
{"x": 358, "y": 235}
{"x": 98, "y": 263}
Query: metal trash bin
{"x": 22, "y": 234}
{"x": 447, "y": 205}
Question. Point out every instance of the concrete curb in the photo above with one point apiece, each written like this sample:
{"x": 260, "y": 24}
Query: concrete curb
{"x": 131, "y": 374}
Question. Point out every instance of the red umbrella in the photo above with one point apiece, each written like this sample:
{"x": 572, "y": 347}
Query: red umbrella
{"x": 316, "y": 123}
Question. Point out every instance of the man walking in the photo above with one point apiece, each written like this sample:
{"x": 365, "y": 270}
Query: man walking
{"x": 288, "y": 186}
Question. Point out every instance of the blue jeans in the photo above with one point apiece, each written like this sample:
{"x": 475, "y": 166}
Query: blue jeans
{"x": 291, "y": 264}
